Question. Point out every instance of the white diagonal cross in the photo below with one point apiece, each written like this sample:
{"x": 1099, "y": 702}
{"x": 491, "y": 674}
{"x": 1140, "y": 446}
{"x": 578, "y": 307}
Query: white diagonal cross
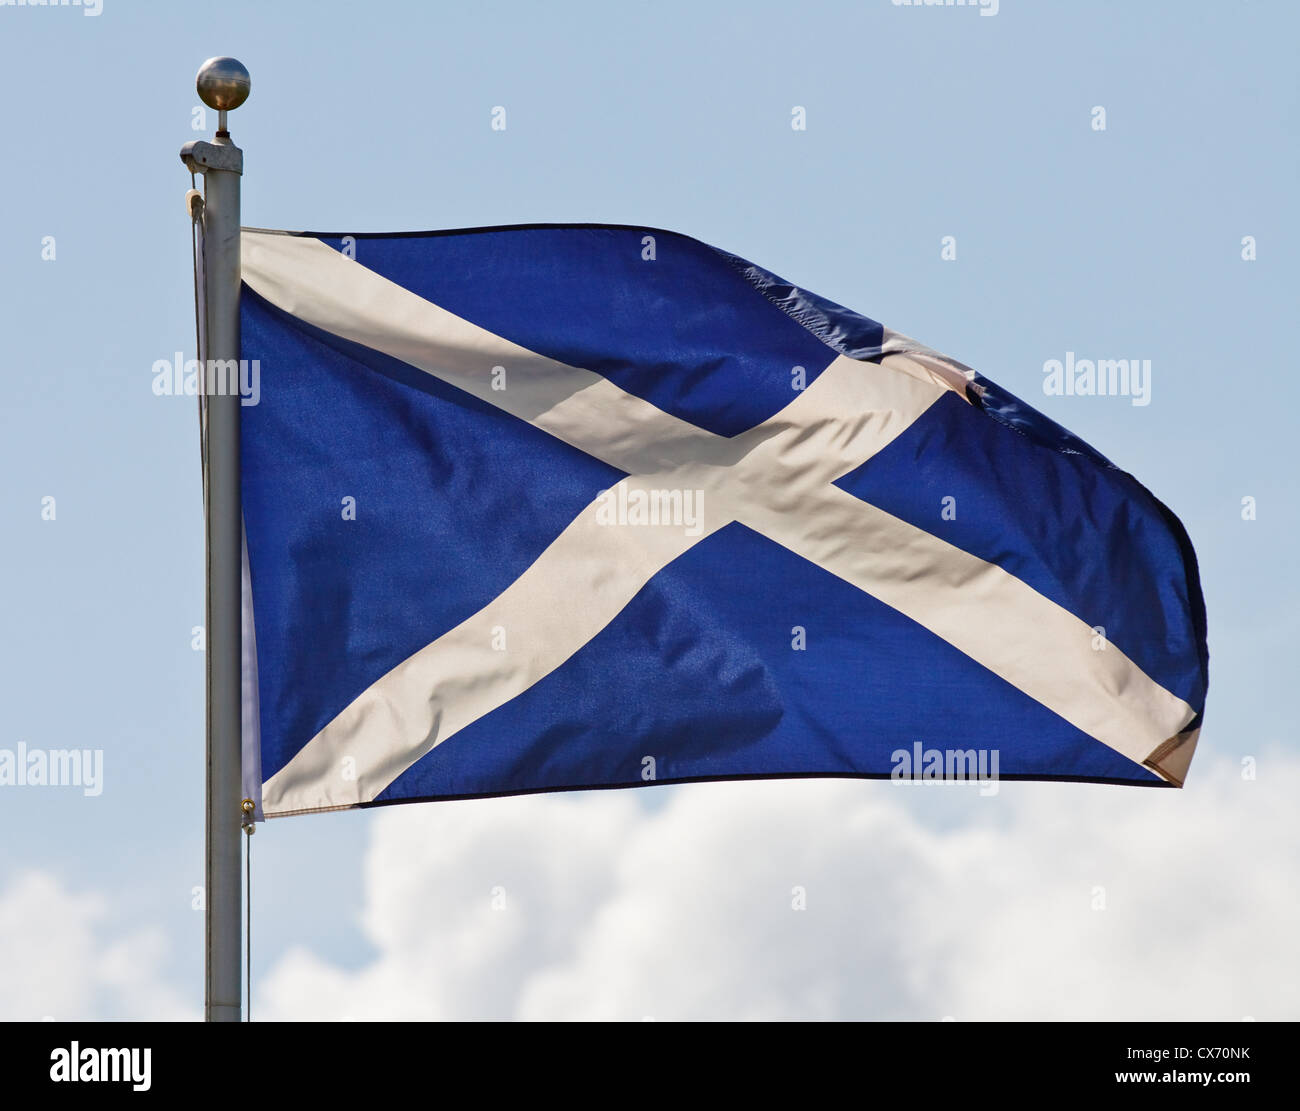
{"x": 776, "y": 478}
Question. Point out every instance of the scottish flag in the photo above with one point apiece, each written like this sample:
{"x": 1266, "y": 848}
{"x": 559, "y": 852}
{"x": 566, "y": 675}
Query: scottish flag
{"x": 559, "y": 507}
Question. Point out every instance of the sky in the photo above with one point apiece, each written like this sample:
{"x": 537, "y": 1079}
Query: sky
{"x": 1130, "y": 240}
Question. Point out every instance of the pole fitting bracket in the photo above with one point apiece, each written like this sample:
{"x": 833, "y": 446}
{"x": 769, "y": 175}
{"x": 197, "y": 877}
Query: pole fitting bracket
{"x": 200, "y": 156}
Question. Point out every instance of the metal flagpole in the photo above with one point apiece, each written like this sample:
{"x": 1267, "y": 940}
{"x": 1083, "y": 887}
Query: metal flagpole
{"x": 223, "y": 84}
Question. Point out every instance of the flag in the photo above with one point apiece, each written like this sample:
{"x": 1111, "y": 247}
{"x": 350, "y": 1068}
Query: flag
{"x": 560, "y": 507}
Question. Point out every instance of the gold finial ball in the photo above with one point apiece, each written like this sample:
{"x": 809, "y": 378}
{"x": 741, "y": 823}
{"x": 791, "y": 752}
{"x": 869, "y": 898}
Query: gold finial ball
{"x": 223, "y": 83}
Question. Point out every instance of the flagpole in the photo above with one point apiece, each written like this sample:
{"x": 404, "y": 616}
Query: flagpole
{"x": 223, "y": 84}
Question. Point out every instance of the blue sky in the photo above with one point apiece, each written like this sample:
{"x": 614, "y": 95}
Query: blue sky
{"x": 921, "y": 123}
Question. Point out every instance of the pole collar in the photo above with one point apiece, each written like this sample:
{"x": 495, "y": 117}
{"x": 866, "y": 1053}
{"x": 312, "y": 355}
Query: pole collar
{"x": 200, "y": 156}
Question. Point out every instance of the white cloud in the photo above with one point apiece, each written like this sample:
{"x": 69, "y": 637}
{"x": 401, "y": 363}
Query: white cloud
{"x": 65, "y": 958}
{"x": 921, "y": 903}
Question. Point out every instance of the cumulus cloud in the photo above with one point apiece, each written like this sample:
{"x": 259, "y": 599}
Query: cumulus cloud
{"x": 66, "y": 958}
{"x": 1044, "y": 902}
